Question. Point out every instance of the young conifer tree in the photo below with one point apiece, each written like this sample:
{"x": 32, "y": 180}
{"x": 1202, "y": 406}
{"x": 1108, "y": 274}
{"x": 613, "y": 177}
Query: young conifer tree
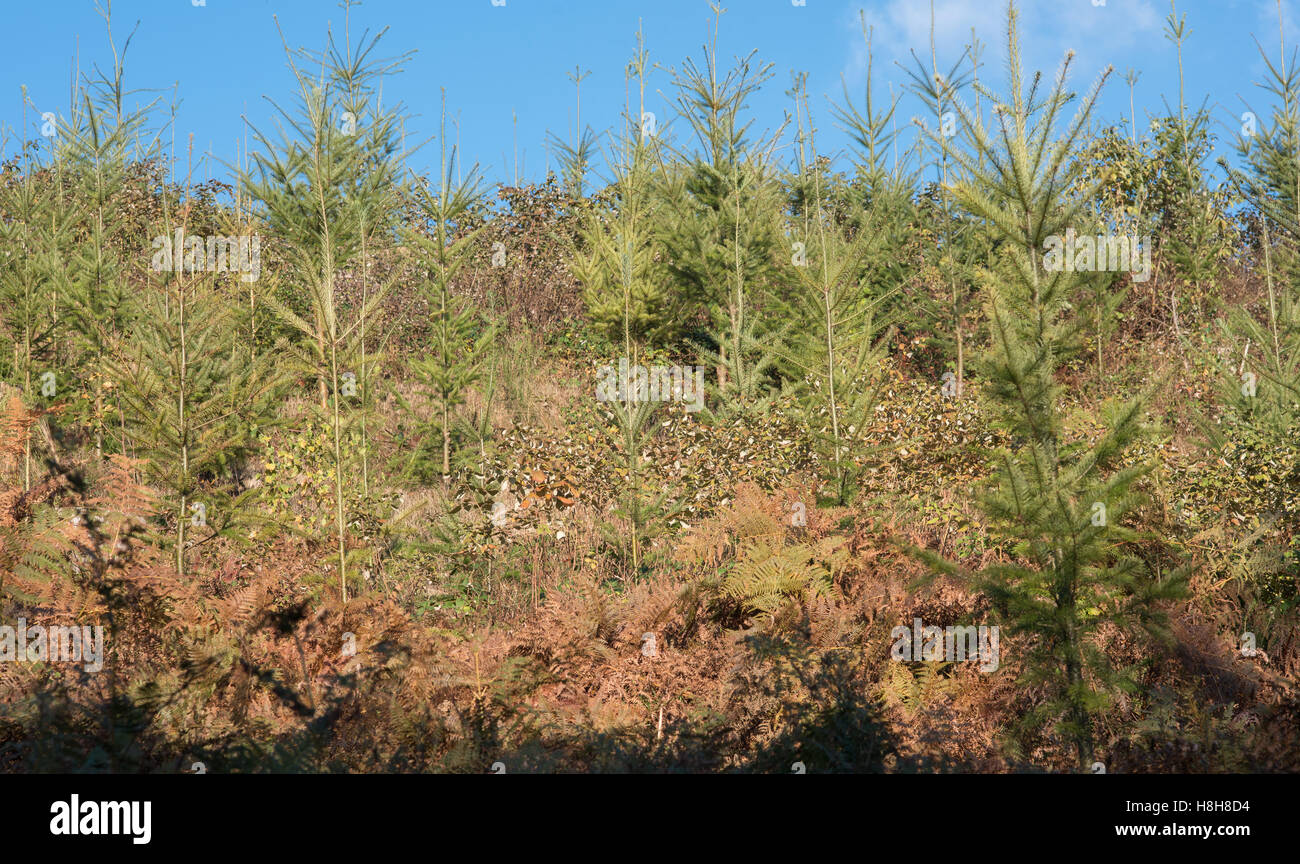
{"x": 97, "y": 147}
{"x": 831, "y": 353}
{"x": 1195, "y": 237}
{"x": 192, "y": 398}
{"x": 33, "y": 228}
{"x": 885, "y": 183}
{"x": 320, "y": 188}
{"x": 872, "y": 132}
{"x": 459, "y": 340}
{"x": 1262, "y": 382}
{"x": 625, "y": 290}
{"x": 359, "y": 81}
{"x": 616, "y": 266}
{"x": 1057, "y": 499}
{"x": 939, "y": 92}
{"x": 1265, "y": 387}
{"x": 721, "y": 219}
{"x": 883, "y": 206}
{"x": 576, "y": 155}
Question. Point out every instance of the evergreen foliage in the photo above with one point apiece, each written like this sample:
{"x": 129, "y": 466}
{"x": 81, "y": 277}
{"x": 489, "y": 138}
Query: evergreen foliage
{"x": 320, "y": 188}
{"x": 459, "y": 339}
{"x": 1059, "y": 502}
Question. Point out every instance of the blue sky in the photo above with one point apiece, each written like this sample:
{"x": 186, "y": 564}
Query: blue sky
{"x": 505, "y": 67}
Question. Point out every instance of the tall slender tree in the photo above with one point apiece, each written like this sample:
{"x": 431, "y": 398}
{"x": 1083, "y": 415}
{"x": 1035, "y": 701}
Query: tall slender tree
{"x": 35, "y": 225}
{"x": 460, "y": 341}
{"x": 1269, "y": 181}
{"x": 320, "y": 188}
{"x": 192, "y": 399}
{"x": 831, "y": 353}
{"x": 1058, "y": 500}
{"x": 722, "y": 204}
{"x": 939, "y": 92}
{"x": 616, "y": 264}
{"x": 98, "y": 146}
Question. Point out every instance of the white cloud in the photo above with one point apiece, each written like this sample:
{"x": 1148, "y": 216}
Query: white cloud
{"x": 1099, "y": 35}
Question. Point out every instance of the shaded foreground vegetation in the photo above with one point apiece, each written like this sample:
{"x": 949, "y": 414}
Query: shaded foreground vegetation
{"x": 356, "y": 501}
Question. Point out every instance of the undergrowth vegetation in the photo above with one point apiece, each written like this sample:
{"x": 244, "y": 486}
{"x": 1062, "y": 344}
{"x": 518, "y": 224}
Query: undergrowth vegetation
{"x": 639, "y": 469}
